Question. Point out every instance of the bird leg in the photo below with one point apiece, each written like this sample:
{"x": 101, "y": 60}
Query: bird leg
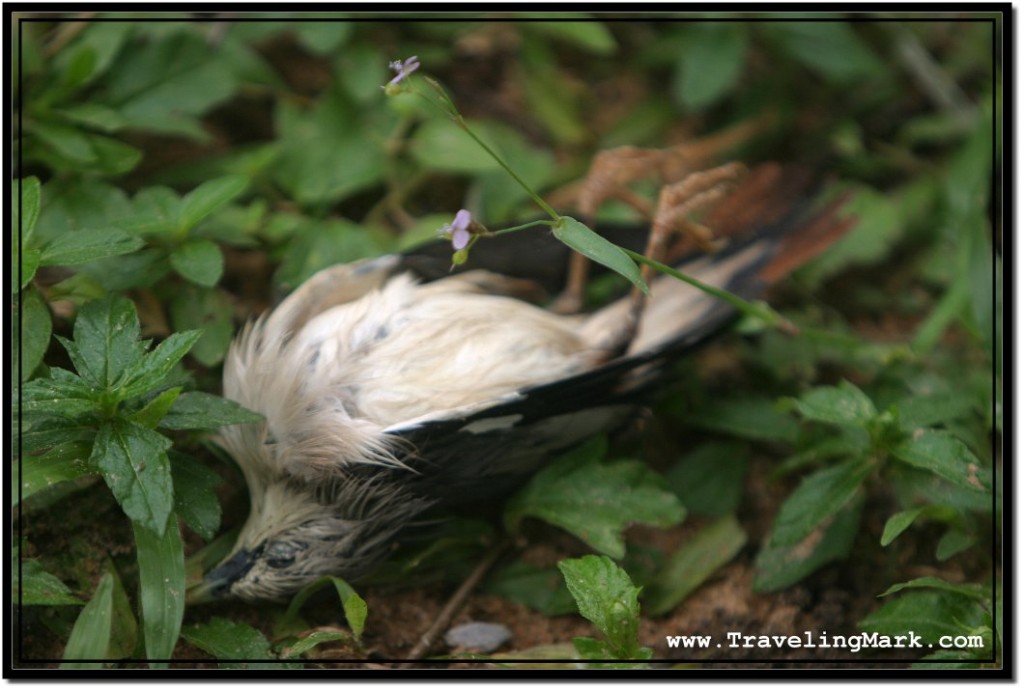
{"x": 673, "y": 217}
{"x": 613, "y": 171}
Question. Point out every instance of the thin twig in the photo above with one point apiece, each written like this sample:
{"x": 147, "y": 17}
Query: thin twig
{"x": 457, "y": 600}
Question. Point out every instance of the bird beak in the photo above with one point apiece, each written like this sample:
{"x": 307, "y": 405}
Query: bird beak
{"x": 216, "y": 585}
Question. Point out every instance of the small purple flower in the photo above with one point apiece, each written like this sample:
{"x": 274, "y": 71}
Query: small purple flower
{"x": 404, "y": 69}
{"x": 458, "y": 230}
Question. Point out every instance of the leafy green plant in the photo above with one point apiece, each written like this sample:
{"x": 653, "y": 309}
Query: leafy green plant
{"x": 102, "y": 420}
{"x": 606, "y": 597}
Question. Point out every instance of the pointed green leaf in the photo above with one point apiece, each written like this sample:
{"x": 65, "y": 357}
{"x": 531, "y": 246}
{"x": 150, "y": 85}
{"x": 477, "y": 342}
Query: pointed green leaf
{"x": 899, "y": 522}
{"x": 353, "y": 605}
{"x": 210, "y": 196}
{"x": 90, "y": 637}
{"x": 61, "y": 463}
{"x": 201, "y": 410}
{"x": 200, "y": 261}
{"x": 840, "y": 405}
{"x": 195, "y": 494}
{"x": 33, "y": 327}
{"x": 606, "y": 597}
{"x": 595, "y": 501}
{"x": 133, "y": 460}
{"x": 230, "y": 640}
{"x": 596, "y": 248}
{"x": 928, "y": 613}
{"x": 946, "y": 456}
{"x": 27, "y": 213}
{"x": 152, "y": 369}
{"x": 819, "y": 496}
{"x": 106, "y": 341}
{"x": 154, "y": 411}
{"x": 780, "y": 567}
{"x": 30, "y": 258}
{"x": 81, "y": 246}
{"x": 161, "y": 558}
{"x": 975, "y": 591}
{"x": 693, "y": 563}
{"x": 36, "y": 586}
{"x": 52, "y": 397}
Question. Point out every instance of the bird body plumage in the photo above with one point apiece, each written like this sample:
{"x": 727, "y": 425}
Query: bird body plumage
{"x": 387, "y": 390}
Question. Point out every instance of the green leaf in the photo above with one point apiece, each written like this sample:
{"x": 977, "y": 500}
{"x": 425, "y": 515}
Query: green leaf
{"x": 30, "y": 257}
{"x": 899, "y": 522}
{"x": 831, "y": 49}
{"x": 154, "y": 411}
{"x": 606, "y": 597}
{"x": 353, "y": 605}
{"x": 693, "y": 563}
{"x": 926, "y": 410}
{"x": 133, "y": 460}
{"x": 106, "y": 342}
{"x": 595, "y": 501}
{"x": 61, "y": 463}
{"x": 32, "y": 334}
{"x": 757, "y": 419}
{"x": 591, "y": 36}
{"x": 208, "y": 197}
{"x": 982, "y": 594}
{"x": 709, "y": 63}
{"x": 541, "y": 589}
{"x": 325, "y": 243}
{"x": 64, "y": 398}
{"x": 709, "y": 480}
{"x": 780, "y": 567}
{"x": 230, "y": 640}
{"x": 441, "y": 145}
{"x": 593, "y": 246}
{"x": 124, "y": 630}
{"x": 39, "y": 587}
{"x": 200, "y": 410}
{"x": 168, "y": 81}
{"x": 161, "y": 558}
{"x": 195, "y": 495}
{"x": 930, "y": 614}
{"x": 819, "y": 496}
{"x": 26, "y": 214}
{"x": 152, "y": 370}
{"x": 199, "y": 261}
{"x": 307, "y": 643}
{"x": 839, "y": 405}
{"x": 952, "y": 543}
{"x": 90, "y": 637}
{"x": 316, "y": 139}
{"x": 81, "y": 246}
{"x": 209, "y": 310}
{"x": 74, "y": 150}
{"x": 946, "y": 456}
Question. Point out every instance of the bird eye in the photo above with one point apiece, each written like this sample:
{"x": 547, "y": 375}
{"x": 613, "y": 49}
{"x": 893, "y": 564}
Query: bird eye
{"x": 281, "y": 555}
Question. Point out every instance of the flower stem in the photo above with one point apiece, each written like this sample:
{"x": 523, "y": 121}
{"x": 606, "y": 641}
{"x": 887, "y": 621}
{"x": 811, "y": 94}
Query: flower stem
{"x": 522, "y": 227}
{"x": 758, "y": 311}
{"x": 456, "y": 116}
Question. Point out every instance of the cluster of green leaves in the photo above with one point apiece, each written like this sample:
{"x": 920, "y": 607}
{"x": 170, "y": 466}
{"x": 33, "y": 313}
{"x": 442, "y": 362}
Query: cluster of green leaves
{"x": 240, "y": 646}
{"x": 103, "y": 419}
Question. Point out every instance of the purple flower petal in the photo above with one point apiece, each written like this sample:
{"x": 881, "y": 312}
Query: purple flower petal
{"x": 404, "y": 69}
{"x": 462, "y": 220}
{"x": 460, "y": 238}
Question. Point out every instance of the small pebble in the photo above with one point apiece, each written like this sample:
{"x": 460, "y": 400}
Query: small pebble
{"x": 478, "y": 636}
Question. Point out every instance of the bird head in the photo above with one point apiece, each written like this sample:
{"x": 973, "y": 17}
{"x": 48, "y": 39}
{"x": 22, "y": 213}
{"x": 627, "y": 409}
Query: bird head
{"x": 296, "y": 533}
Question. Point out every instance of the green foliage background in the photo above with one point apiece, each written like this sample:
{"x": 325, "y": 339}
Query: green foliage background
{"x": 177, "y": 174}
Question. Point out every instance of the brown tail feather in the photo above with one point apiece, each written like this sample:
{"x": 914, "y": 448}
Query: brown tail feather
{"x": 815, "y": 236}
